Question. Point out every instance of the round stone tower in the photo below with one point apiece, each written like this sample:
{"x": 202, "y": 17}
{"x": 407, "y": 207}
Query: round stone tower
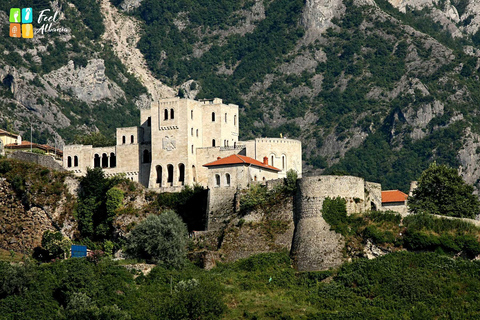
{"x": 315, "y": 246}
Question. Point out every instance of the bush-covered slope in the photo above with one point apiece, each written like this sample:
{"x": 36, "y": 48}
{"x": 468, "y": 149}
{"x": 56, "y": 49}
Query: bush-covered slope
{"x": 398, "y": 286}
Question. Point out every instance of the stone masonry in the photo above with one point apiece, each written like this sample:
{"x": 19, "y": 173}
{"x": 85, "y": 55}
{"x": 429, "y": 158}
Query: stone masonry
{"x": 176, "y": 137}
{"x": 315, "y": 246}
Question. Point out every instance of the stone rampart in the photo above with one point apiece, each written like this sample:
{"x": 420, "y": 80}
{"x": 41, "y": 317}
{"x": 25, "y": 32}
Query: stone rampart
{"x": 221, "y": 205}
{"x": 315, "y": 246}
{"x": 43, "y": 160}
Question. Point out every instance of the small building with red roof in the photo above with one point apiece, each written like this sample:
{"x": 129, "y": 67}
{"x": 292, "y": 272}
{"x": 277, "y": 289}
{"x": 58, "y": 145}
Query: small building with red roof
{"x": 239, "y": 171}
{"x": 395, "y": 200}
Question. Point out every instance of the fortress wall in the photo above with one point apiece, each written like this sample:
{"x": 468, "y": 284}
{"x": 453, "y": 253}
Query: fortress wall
{"x": 315, "y": 246}
{"x": 128, "y": 132}
{"x": 373, "y": 196}
{"x": 84, "y": 154}
{"x": 170, "y": 142}
{"x": 347, "y": 187}
{"x": 43, "y": 160}
{"x": 220, "y": 206}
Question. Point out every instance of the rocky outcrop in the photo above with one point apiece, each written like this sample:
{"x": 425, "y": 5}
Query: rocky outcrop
{"x": 371, "y": 251}
{"x": 317, "y": 16}
{"x": 130, "y": 5}
{"x": 21, "y": 229}
{"x": 87, "y": 83}
{"x": 459, "y": 18}
{"x": 469, "y": 158}
{"x": 258, "y": 232}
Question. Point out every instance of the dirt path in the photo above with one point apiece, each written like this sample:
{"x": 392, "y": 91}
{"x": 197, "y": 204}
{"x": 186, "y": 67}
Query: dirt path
{"x": 123, "y": 32}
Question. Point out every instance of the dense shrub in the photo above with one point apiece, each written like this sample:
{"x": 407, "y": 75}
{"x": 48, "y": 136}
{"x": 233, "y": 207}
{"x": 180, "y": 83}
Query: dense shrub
{"x": 441, "y": 190}
{"x": 334, "y": 211}
{"x": 56, "y": 244}
{"x": 161, "y": 239}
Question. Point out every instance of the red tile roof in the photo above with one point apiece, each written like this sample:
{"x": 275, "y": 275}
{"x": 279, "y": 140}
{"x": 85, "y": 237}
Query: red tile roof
{"x": 26, "y": 144}
{"x": 238, "y": 159}
{"x": 393, "y": 196}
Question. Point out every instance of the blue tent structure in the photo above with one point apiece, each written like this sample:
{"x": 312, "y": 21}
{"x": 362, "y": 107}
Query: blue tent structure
{"x": 79, "y": 251}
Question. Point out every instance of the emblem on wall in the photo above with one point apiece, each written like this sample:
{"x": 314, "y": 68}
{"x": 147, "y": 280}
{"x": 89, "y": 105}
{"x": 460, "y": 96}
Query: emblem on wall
{"x": 168, "y": 143}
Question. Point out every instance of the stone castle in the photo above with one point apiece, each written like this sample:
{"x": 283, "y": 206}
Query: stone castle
{"x": 184, "y": 142}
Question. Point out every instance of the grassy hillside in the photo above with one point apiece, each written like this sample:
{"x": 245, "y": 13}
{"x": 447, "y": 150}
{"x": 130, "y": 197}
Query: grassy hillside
{"x": 398, "y": 286}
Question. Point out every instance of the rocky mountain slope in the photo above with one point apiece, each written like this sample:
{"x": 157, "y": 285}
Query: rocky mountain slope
{"x": 373, "y": 88}
{"x": 87, "y": 78}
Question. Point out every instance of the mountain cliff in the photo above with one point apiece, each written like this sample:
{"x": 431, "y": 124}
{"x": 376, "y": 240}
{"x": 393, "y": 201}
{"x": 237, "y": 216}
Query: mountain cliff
{"x": 372, "y": 88}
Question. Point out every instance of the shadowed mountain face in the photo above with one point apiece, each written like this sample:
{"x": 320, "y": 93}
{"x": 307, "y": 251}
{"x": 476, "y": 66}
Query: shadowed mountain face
{"x": 372, "y": 88}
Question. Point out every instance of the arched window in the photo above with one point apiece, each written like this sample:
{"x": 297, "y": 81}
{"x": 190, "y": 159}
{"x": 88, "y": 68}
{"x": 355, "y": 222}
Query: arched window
{"x": 197, "y": 132}
{"x": 272, "y": 158}
{"x": 213, "y": 116}
{"x": 235, "y": 120}
{"x": 191, "y": 132}
{"x": 113, "y": 160}
{"x": 194, "y": 173}
{"x": 124, "y": 140}
{"x": 69, "y": 161}
{"x": 191, "y": 114}
{"x": 132, "y": 139}
{"x": 217, "y": 180}
{"x": 170, "y": 174}
{"x": 181, "y": 174}
{"x": 255, "y": 178}
{"x": 172, "y": 114}
{"x": 213, "y": 142}
{"x": 96, "y": 161}
{"x": 146, "y": 156}
{"x": 159, "y": 175}
{"x": 104, "y": 160}
{"x": 227, "y": 179}
{"x": 192, "y": 148}
{"x": 225, "y": 118}
{"x": 165, "y": 114}
{"x": 284, "y": 162}
{"x": 75, "y": 161}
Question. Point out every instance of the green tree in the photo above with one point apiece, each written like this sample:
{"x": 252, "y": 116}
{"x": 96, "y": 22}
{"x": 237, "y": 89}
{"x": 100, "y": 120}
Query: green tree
{"x": 56, "y": 244}
{"x": 291, "y": 181}
{"x": 96, "y": 139}
{"x": 442, "y": 191}
{"x": 162, "y": 239}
